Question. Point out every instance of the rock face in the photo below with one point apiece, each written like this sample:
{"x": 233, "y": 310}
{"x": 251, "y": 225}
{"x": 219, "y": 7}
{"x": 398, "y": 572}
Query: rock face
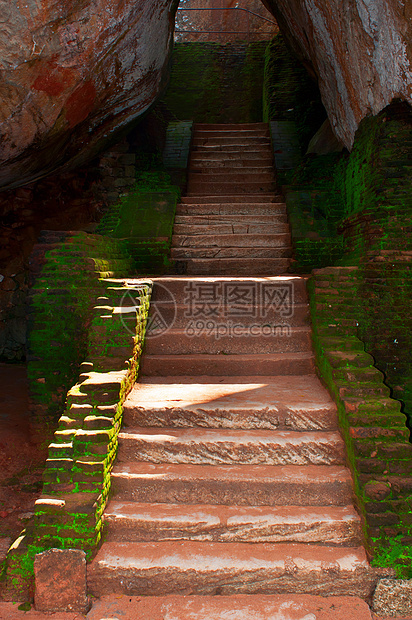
{"x": 72, "y": 72}
{"x": 359, "y": 50}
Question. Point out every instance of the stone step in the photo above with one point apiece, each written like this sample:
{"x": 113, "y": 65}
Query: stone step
{"x": 324, "y": 525}
{"x": 236, "y": 176}
{"x": 217, "y": 253}
{"x": 255, "y": 156}
{"x": 235, "y": 607}
{"x": 231, "y": 139}
{"x": 233, "y": 209}
{"x": 191, "y": 567}
{"x": 230, "y": 126}
{"x": 221, "y": 132}
{"x": 238, "y": 240}
{"x": 264, "y": 149}
{"x": 238, "y": 485}
{"x": 272, "y": 291}
{"x": 215, "y": 219}
{"x": 222, "y": 199}
{"x": 207, "y": 188}
{"x": 179, "y": 315}
{"x": 298, "y": 403}
{"x": 230, "y": 266}
{"x": 219, "y": 163}
{"x": 227, "y": 365}
{"x": 231, "y": 228}
{"x": 199, "y": 446}
{"x": 212, "y": 336}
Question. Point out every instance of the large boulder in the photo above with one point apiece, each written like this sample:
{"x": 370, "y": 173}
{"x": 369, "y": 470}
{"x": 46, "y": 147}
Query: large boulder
{"x": 72, "y": 73}
{"x": 359, "y": 50}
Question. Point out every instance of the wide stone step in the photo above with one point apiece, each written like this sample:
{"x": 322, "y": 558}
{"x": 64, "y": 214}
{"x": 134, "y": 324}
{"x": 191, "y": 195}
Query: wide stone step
{"x": 228, "y": 365}
{"x": 218, "y": 219}
{"x": 222, "y": 132}
{"x": 230, "y": 126}
{"x": 219, "y": 163}
{"x": 279, "y": 292}
{"x": 238, "y": 240}
{"x": 231, "y": 228}
{"x": 222, "y": 199}
{"x": 236, "y": 607}
{"x": 217, "y": 253}
{"x": 211, "y": 336}
{"x": 236, "y": 176}
{"x": 325, "y": 525}
{"x": 240, "y": 485}
{"x": 264, "y": 149}
{"x": 231, "y": 139}
{"x": 199, "y": 446}
{"x": 229, "y": 568}
{"x": 207, "y": 188}
{"x": 289, "y": 403}
{"x": 257, "y": 210}
{"x": 234, "y": 266}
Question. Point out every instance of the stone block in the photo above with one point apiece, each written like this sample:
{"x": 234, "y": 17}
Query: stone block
{"x": 60, "y": 580}
{"x": 393, "y": 597}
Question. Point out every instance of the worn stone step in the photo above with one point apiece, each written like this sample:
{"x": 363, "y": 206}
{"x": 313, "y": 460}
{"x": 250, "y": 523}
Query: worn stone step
{"x": 237, "y": 176}
{"x": 270, "y": 197}
{"x": 235, "y": 607}
{"x": 234, "y": 228}
{"x": 218, "y": 253}
{"x": 222, "y": 132}
{"x": 229, "y": 126}
{"x": 231, "y": 139}
{"x": 324, "y": 525}
{"x": 239, "y": 240}
{"x": 199, "y": 446}
{"x": 219, "y": 163}
{"x": 228, "y": 365}
{"x": 181, "y": 315}
{"x": 274, "y": 218}
{"x": 208, "y": 188}
{"x": 272, "y": 291}
{"x": 243, "y": 485}
{"x": 229, "y": 568}
{"x": 212, "y": 336}
{"x": 290, "y": 403}
{"x": 264, "y": 149}
{"x": 238, "y": 266}
{"x": 233, "y": 209}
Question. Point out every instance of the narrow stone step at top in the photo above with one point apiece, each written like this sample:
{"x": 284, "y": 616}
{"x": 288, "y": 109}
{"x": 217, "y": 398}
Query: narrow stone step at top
{"x": 237, "y": 485}
{"x": 325, "y": 525}
{"x": 229, "y": 568}
{"x": 237, "y": 209}
{"x": 218, "y": 253}
{"x": 231, "y": 228}
{"x": 207, "y": 188}
{"x": 230, "y": 337}
{"x": 215, "y": 219}
{"x": 280, "y": 292}
{"x": 199, "y": 446}
{"x": 223, "y": 199}
{"x": 234, "y": 266}
{"x": 233, "y": 239}
{"x": 236, "y": 607}
{"x": 229, "y": 126}
{"x": 298, "y": 403}
{"x": 228, "y": 365}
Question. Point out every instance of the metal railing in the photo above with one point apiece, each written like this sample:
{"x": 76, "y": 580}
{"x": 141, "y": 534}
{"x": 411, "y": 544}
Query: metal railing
{"x": 248, "y": 12}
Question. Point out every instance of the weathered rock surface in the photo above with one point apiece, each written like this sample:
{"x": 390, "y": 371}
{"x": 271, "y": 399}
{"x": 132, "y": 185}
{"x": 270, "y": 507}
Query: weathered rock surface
{"x": 393, "y": 597}
{"x": 360, "y": 52}
{"x": 73, "y": 73}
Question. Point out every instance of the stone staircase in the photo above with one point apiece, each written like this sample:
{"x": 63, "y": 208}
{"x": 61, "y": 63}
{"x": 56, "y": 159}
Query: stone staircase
{"x": 232, "y": 219}
{"x": 231, "y": 476}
